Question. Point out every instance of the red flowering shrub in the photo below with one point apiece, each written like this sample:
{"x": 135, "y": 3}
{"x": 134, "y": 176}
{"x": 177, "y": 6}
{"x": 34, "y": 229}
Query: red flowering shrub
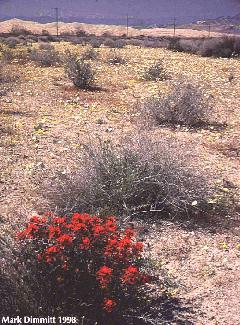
{"x": 85, "y": 257}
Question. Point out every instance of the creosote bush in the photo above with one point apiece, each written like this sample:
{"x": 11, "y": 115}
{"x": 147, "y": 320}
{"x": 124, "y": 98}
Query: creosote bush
{"x": 90, "y": 54}
{"x": 45, "y": 56}
{"x": 186, "y": 104}
{"x": 224, "y": 47}
{"x": 79, "y": 71}
{"x": 82, "y": 260}
{"x": 115, "y": 58}
{"x": 155, "y": 72}
{"x": 141, "y": 178}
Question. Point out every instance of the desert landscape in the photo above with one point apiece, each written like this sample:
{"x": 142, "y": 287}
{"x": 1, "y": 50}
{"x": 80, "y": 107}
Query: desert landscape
{"x": 119, "y": 126}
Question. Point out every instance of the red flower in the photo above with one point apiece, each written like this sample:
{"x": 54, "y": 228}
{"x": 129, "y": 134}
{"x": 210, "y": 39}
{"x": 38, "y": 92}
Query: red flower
{"x": 109, "y": 305}
{"x": 54, "y": 231}
{"x": 65, "y": 266}
{"x": 98, "y": 230}
{"x": 76, "y": 226}
{"x": 65, "y": 239}
{"x": 35, "y": 219}
{"x": 52, "y": 249}
{"x": 81, "y": 217}
{"x": 139, "y": 246}
{"x": 110, "y": 225}
{"x": 59, "y": 220}
{"x": 130, "y": 275}
{"x": 129, "y": 232}
{"x": 85, "y": 243}
{"x": 104, "y": 276}
{"x": 124, "y": 243}
{"x": 29, "y": 232}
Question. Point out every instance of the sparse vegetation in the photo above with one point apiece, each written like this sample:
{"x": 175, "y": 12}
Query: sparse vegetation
{"x": 222, "y": 47}
{"x": 79, "y": 72}
{"x": 45, "y": 56}
{"x": 142, "y": 178}
{"x": 115, "y": 58}
{"x": 90, "y": 54}
{"x": 171, "y": 177}
{"x": 155, "y": 72}
{"x": 186, "y": 104}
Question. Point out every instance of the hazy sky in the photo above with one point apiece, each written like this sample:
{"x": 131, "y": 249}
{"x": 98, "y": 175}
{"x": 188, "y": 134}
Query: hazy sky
{"x": 116, "y": 8}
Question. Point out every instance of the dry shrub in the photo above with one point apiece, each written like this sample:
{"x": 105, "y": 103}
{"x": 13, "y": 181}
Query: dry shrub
{"x": 46, "y": 47}
{"x": 115, "y": 58}
{"x": 80, "y": 32}
{"x": 79, "y": 71}
{"x": 141, "y": 177}
{"x": 155, "y": 72}
{"x": 184, "y": 105}
{"x": 90, "y": 54}
{"x": 12, "y": 42}
{"x": 45, "y": 57}
{"x": 16, "y": 296}
{"x": 20, "y": 31}
{"x": 224, "y": 47}
{"x": 118, "y": 43}
{"x": 95, "y": 42}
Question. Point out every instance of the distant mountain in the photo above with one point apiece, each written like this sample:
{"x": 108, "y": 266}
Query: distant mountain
{"x": 221, "y": 24}
{"x": 141, "y": 12}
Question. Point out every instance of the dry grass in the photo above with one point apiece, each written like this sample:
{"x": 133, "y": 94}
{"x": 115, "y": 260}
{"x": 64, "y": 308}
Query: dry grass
{"x": 52, "y": 121}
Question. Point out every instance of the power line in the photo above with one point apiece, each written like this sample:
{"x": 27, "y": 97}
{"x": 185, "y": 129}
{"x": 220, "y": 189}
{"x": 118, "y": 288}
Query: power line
{"x": 57, "y": 19}
{"x": 174, "y": 26}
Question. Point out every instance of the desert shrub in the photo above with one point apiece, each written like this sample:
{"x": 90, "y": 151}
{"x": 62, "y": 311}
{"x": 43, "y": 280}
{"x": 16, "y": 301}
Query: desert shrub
{"x": 19, "y": 30}
{"x": 45, "y": 32}
{"x": 32, "y": 38}
{"x": 67, "y": 33}
{"x": 155, "y": 72}
{"x": 79, "y": 72}
{"x": 90, "y": 54}
{"x": 115, "y": 58}
{"x": 47, "y": 38}
{"x": 174, "y": 44}
{"x": 135, "y": 42}
{"x": 190, "y": 45}
{"x": 86, "y": 262}
{"x": 95, "y": 43}
{"x": 224, "y": 47}
{"x": 7, "y": 54}
{"x": 80, "y": 32}
{"x": 140, "y": 178}
{"x": 45, "y": 58}
{"x": 14, "y": 279}
{"x": 12, "y": 42}
{"x": 109, "y": 42}
{"x": 119, "y": 43}
{"x": 184, "y": 105}
{"x": 46, "y": 47}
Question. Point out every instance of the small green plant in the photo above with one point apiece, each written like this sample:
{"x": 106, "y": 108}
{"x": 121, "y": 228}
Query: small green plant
{"x": 155, "y": 72}
{"x": 79, "y": 71}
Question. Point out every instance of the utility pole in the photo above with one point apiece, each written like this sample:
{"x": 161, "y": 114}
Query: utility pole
{"x": 209, "y": 30}
{"x": 57, "y": 20}
{"x": 174, "y": 26}
{"x": 127, "y": 24}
